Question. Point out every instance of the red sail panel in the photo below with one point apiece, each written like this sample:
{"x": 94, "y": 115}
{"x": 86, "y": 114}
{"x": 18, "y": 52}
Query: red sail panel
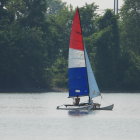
{"x": 76, "y": 39}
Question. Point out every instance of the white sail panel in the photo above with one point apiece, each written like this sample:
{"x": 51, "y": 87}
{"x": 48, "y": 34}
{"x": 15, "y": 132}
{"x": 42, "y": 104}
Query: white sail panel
{"x": 76, "y": 58}
{"x": 93, "y": 87}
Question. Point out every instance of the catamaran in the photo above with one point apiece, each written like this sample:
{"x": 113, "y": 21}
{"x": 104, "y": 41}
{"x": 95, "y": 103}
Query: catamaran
{"x": 80, "y": 75}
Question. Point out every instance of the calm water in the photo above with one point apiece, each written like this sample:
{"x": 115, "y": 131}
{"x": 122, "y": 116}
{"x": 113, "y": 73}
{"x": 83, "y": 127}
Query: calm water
{"x": 34, "y": 117}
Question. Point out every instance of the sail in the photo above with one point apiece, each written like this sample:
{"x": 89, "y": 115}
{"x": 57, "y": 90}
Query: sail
{"x": 93, "y": 87}
{"x": 77, "y": 71}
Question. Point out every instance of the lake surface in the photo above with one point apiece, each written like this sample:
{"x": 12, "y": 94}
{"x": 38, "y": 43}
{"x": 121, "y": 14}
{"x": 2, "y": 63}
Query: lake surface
{"x": 34, "y": 117}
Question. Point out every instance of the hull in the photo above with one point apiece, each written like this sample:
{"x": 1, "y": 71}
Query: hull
{"x": 84, "y": 107}
{"x": 110, "y": 107}
{"x": 75, "y": 107}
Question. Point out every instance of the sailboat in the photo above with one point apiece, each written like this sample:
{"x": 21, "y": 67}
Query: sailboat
{"x": 80, "y": 75}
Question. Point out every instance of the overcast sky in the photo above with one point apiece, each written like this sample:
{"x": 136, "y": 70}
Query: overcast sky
{"x": 103, "y": 4}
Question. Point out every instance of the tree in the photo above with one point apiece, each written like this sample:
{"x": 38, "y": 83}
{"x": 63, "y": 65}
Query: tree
{"x": 88, "y": 17}
{"x": 54, "y": 6}
{"x": 34, "y": 16}
{"x": 130, "y": 44}
{"x": 59, "y": 70}
{"x": 23, "y": 48}
{"x": 107, "y": 51}
{"x": 23, "y": 62}
{"x": 5, "y": 16}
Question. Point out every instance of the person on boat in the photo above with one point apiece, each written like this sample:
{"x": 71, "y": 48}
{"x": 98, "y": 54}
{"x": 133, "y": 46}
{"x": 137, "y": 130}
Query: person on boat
{"x": 76, "y": 101}
{"x": 96, "y": 105}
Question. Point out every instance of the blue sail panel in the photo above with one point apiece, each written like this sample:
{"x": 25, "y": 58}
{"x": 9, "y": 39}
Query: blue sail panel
{"x": 78, "y": 82}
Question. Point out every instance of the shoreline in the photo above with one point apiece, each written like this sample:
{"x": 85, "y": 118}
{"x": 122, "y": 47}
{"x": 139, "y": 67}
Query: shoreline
{"x": 35, "y": 90}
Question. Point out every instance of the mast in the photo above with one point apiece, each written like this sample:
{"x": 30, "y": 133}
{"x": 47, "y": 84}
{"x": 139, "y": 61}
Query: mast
{"x": 85, "y": 60}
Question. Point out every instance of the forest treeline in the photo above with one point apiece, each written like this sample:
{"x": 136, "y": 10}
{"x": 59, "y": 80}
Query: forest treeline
{"x": 34, "y": 41}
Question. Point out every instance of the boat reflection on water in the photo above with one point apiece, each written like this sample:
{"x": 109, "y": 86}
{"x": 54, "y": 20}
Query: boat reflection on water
{"x": 80, "y": 112}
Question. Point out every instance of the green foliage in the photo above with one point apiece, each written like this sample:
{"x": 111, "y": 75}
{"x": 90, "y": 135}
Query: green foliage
{"x": 107, "y": 52}
{"x": 88, "y": 19}
{"x": 24, "y": 52}
{"x": 132, "y": 73}
{"x": 54, "y": 6}
{"x": 130, "y": 15}
{"x": 130, "y": 44}
{"x": 23, "y": 58}
{"x": 5, "y": 16}
{"x": 59, "y": 70}
{"x": 35, "y": 13}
